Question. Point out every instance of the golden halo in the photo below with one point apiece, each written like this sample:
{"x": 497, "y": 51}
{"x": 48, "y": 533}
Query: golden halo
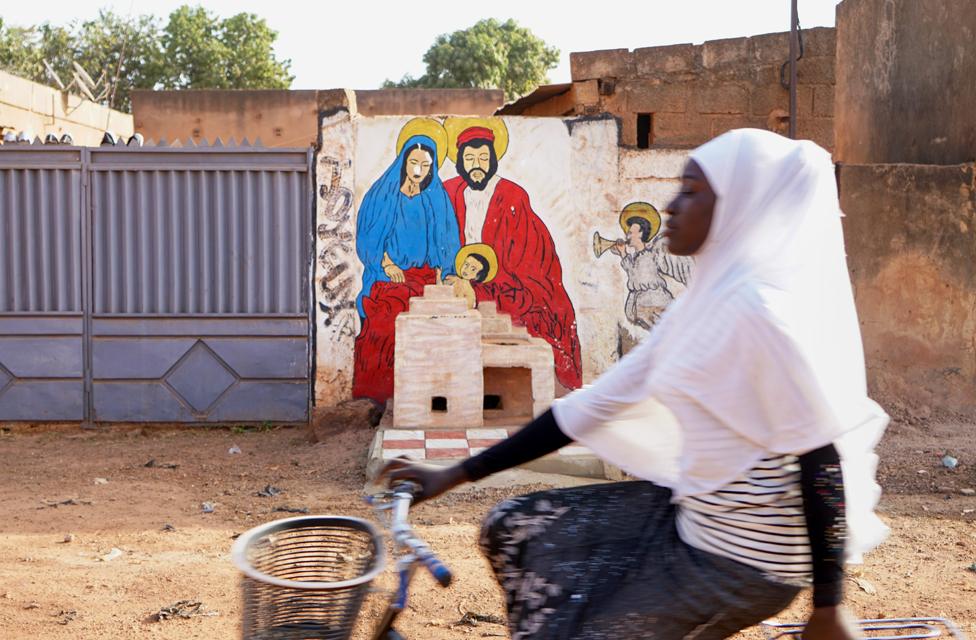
{"x": 641, "y": 210}
{"x": 481, "y": 249}
{"x": 424, "y": 127}
{"x": 455, "y": 126}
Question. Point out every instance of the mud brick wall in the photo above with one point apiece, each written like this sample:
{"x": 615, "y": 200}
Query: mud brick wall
{"x": 693, "y": 93}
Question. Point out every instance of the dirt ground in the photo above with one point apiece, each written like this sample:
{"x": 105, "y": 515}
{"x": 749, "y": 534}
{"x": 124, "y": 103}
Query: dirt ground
{"x": 61, "y": 578}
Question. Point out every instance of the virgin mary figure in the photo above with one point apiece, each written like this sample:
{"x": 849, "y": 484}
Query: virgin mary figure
{"x": 406, "y": 237}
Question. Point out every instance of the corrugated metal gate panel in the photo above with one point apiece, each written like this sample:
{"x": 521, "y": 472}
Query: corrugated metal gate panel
{"x": 198, "y": 242}
{"x": 198, "y": 283}
{"x": 199, "y": 286}
{"x": 41, "y": 269}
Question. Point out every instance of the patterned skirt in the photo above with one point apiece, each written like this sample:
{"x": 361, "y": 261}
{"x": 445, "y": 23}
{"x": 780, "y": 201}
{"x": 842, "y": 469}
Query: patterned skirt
{"x": 604, "y": 562}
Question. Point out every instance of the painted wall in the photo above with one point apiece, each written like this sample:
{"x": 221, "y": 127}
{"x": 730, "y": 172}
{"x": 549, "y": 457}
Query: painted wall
{"x": 572, "y": 182}
{"x": 27, "y": 106}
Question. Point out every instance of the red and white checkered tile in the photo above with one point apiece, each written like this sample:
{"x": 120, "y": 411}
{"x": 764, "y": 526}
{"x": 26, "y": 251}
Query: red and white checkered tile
{"x": 439, "y": 444}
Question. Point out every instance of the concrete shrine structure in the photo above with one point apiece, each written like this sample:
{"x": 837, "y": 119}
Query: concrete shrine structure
{"x": 460, "y": 368}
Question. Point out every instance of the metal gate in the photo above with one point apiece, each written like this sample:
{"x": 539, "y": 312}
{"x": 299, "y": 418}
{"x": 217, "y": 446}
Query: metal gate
{"x": 155, "y": 284}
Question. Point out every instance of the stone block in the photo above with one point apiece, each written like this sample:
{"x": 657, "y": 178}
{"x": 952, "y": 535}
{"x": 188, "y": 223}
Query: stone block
{"x": 823, "y": 101}
{"x": 438, "y": 291}
{"x": 724, "y": 98}
{"x": 628, "y": 129}
{"x": 818, "y": 70}
{"x": 766, "y": 98}
{"x": 656, "y": 97}
{"x": 719, "y": 124}
{"x": 680, "y": 129}
{"x": 820, "y": 41}
{"x": 608, "y": 63}
{"x": 731, "y": 51}
{"x": 438, "y": 378}
{"x": 652, "y": 61}
{"x": 587, "y": 92}
{"x": 771, "y": 48}
{"x": 820, "y": 130}
{"x": 491, "y": 321}
{"x": 435, "y": 306}
{"x": 765, "y": 74}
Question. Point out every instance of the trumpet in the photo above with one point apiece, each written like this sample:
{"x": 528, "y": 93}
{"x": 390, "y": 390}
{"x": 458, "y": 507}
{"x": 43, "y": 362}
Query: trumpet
{"x": 601, "y": 245}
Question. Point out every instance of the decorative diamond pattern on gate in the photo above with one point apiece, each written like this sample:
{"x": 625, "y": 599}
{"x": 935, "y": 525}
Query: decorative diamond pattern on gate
{"x": 200, "y": 377}
{"x": 5, "y": 378}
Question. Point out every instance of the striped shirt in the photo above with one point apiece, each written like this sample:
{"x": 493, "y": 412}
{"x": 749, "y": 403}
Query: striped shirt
{"x": 757, "y": 519}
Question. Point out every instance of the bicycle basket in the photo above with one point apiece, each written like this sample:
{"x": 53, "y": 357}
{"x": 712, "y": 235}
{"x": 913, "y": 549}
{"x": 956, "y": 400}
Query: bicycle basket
{"x": 305, "y": 578}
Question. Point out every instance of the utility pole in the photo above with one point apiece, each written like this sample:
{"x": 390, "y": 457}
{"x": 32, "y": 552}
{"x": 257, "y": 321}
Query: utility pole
{"x": 794, "y": 51}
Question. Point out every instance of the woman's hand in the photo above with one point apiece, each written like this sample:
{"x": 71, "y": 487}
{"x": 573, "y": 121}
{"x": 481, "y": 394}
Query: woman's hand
{"x": 394, "y": 273}
{"x": 432, "y": 480}
{"x": 832, "y": 623}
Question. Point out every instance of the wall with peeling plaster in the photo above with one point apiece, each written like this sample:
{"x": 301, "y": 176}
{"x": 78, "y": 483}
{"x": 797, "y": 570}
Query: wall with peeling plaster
{"x": 578, "y": 180}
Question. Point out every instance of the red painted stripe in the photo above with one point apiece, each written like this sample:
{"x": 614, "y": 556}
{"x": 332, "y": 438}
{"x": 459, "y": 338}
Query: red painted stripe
{"x": 442, "y": 454}
{"x": 404, "y": 444}
{"x": 437, "y": 434}
{"x": 482, "y": 443}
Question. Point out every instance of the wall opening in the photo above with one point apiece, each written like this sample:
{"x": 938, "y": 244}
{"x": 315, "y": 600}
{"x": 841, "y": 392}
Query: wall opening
{"x": 438, "y": 404}
{"x": 645, "y": 130}
{"x": 508, "y": 395}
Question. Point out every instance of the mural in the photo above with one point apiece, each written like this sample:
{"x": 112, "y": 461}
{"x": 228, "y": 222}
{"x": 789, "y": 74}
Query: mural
{"x": 406, "y": 237}
{"x": 654, "y": 276}
{"x": 476, "y": 232}
{"x": 474, "y": 263}
{"x": 496, "y": 211}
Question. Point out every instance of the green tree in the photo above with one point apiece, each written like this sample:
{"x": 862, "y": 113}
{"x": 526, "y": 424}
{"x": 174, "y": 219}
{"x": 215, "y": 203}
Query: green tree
{"x": 24, "y": 49}
{"x": 489, "y": 55}
{"x": 194, "y": 50}
{"x": 127, "y": 50}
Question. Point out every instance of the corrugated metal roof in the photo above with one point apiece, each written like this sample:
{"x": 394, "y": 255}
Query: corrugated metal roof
{"x": 543, "y": 93}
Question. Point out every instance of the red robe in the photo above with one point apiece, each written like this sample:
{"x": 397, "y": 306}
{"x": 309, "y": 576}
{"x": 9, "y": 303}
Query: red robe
{"x": 374, "y": 349}
{"x": 529, "y": 283}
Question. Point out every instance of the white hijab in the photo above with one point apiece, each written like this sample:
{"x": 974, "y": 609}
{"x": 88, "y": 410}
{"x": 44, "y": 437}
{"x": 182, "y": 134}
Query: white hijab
{"x": 762, "y": 353}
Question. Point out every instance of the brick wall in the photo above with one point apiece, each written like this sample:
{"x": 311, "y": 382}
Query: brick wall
{"x": 695, "y": 92}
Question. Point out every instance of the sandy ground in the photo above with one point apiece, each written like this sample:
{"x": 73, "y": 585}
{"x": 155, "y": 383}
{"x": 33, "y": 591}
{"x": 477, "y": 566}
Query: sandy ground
{"x": 58, "y": 579}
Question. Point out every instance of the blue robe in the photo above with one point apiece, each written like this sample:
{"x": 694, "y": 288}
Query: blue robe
{"x": 414, "y": 232}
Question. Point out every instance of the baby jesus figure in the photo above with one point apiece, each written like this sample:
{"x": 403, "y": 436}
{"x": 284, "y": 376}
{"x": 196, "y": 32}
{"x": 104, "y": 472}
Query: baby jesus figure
{"x": 474, "y": 263}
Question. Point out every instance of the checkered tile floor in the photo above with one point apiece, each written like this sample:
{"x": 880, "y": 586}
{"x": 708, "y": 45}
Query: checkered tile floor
{"x": 448, "y": 445}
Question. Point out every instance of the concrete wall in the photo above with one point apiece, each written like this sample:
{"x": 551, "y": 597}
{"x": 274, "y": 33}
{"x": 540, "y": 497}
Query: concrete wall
{"x": 906, "y": 81}
{"x": 278, "y": 118}
{"x": 696, "y": 92}
{"x": 421, "y": 102}
{"x": 287, "y": 118}
{"x": 578, "y": 181}
{"x": 911, "y": 240}
{"x": 27, "y": 106}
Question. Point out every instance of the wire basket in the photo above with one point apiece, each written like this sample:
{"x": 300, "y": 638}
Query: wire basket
{"x": 305, "y": 578}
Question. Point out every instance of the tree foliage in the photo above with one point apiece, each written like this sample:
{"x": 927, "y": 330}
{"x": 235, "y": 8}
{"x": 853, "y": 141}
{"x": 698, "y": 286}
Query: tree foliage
{"x": 194, "y": 49}
{"x": 489, "y": 55}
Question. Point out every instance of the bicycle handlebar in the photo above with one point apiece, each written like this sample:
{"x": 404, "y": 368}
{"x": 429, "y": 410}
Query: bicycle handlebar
{"x": 403, "y": 534}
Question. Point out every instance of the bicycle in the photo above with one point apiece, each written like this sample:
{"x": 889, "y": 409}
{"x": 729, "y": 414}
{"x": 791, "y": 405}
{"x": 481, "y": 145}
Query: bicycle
{"x": 305, "y": 578}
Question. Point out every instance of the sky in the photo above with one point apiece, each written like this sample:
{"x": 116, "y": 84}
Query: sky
{"x": 360, "y": 43}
